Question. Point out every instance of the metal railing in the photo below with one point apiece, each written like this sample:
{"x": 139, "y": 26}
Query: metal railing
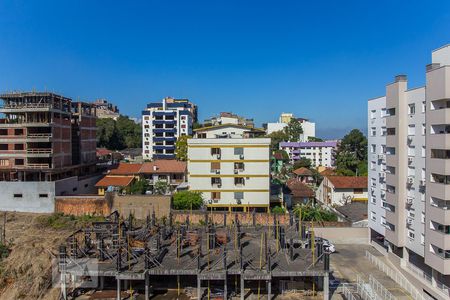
{"x": 396, "y": 276}
{"x": 38, "y": 166}
{"x": 38, "y": 135}
{"x": 26, "y": 105}
{"x": 40, "y": 150}
{"x": 379, "y": 289}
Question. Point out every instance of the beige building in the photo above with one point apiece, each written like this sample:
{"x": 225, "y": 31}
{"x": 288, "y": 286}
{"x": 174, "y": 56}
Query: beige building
{"x": 409, "y": 174}
{"x": 231, "y": 172}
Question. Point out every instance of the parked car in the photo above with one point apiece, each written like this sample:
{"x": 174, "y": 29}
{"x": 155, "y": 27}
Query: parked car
{"x": 328, "y": 246}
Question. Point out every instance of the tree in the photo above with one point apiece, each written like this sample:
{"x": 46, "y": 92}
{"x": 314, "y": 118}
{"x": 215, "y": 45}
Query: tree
{"x": 276, "y": 138}
{"x": 118, "y": 135}
{"x": 138, "y": 187}
{"x": 313, "y": 213}
{"x": 187, "y": 200}
{"x": 130, "y": 132}
{"x": 181, "y": 148}
{"x": 314, "y": 139}
{"x": 351, "y": 155}
{"x": 302, "y": 163}
{"x": 161, "y": 187}
{"x": 293, "y": 130}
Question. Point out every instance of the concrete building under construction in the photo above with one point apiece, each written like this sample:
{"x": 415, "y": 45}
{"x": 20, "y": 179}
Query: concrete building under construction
{"x": 44, "y": 137}
{"x": 209, "y": 261}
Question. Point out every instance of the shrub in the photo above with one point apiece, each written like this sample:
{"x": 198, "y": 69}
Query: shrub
{"x": 278, "y": 210}
{"x": 184, "y": 200}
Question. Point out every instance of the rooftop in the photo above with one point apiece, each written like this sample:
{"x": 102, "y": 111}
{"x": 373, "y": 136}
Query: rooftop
{"x": 303, "y": 172}
{"x": 309, "y": 144}
{"x": 161, "y": 166}
{"x": 354, "y": 211}
{"x": 227, "y": 125}
{"x": 348, "y": 182}
{"x": 126, "y": 169}
{"x": 115, "y": 181}
{"x": 299, "y": 189}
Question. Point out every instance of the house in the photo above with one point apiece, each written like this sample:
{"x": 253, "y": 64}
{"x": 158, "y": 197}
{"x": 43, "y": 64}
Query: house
{"x": 300, "y": 192}
{"x": 341, "y": 190}
{"x": 114, "y": 184}
{"x": 354, "y": 212}
{"x": 304, "y": 175}
{"x": 172, "y": 172}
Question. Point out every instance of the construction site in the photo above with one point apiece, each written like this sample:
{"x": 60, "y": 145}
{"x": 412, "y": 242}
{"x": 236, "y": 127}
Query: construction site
{"x": 120, "y": 259}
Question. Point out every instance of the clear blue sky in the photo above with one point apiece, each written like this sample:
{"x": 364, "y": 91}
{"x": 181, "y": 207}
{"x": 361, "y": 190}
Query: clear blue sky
{"x": 318, "y": 59}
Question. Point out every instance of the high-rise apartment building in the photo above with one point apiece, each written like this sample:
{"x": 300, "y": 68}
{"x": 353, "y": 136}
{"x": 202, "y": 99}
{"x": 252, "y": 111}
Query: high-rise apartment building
{"x": 409, "y": 173}
{"x": 162, "y": 123}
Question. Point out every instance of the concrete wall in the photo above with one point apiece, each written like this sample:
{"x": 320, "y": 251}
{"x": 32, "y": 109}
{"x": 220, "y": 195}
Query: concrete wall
{"x": 35, "y": 197}
{"x": 142, "y": 205}
{"x": 73, "y": 186}
{"x": 344, "y": 235}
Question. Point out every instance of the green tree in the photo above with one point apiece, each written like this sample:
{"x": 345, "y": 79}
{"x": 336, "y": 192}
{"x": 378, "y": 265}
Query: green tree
{"x": 351, "y": 155}
{"x": 130, "y": 132}
{"x": 276, "y": 138}
{"x": 138, "y": 187}
{"x": 119, "y": 134}
{"x": 302, "y": 163}
{"x": 293, "y": 130}
{"x": 161, "y": 187}
{"x": 181, "y": 147}
{"x": 278, "y": 210}
{"x": 185, "y": 200}
{"x": 313, "y": 213}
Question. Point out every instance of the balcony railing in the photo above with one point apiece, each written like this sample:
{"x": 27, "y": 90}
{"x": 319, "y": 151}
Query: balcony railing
{"x": 40, "y": 151}
{"x": 26, "y": 105}
{"x": 38, "y": 135}
{"x": 38, "y": 166}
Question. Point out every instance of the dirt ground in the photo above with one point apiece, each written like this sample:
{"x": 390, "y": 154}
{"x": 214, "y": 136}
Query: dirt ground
{"x": 26, "y": 272}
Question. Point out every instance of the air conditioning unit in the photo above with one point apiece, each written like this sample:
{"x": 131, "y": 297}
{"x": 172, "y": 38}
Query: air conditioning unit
{"x": 409, "y": 221}
{"x": 238, "y": 201}
{"x": 217, "y": 171}
{"x": 218, "y": 156}
{"x": 241, "y": 156}
{"x": 382, "y": 174}
{"x": 410, "y": 160}
{"x": 422, "y": 182}
{"x": 210, "y": 201}
{"x": 236, "y": 171}
{"x": 410, "y": 180}
{"x": 380, "y": 156}
{"x": 409, "y": 200}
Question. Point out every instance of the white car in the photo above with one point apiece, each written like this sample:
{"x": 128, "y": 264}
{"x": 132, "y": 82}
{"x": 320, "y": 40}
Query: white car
{"x": 328, "y": 246}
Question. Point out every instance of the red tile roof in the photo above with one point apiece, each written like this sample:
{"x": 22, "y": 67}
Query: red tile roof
{"x": 299, "y": 189}
{"x": 348, "y": 182}
{"x": 115, "y": 181}
{"x": 103, "y": 151}
{"x": 126, "y": 169}
{"x": 328, "y": 172}
{"x": 164, "y": 166}
{"x": 303, "y": 172}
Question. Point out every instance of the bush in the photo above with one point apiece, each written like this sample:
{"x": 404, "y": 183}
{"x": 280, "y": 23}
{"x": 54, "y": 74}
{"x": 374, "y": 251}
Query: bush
{"x": 278, "y": 210}
{"x": 185, "y": 200}
{"x": 314, "y": 213}
{"x": 59, "y": 221}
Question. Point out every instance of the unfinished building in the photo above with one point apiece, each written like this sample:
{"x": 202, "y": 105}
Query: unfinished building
{"x": 45, "y": 137}
{"x": 225, "y": 260}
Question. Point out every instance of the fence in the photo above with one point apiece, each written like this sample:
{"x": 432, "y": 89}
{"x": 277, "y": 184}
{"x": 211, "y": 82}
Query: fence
{"x": 444, "y": 288}
{"x": 380, "y": 290}
{"x": 396, "y": 276}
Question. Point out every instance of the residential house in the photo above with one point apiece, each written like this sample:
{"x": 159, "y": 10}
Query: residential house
{"x": 300, "y": 192}
{"x": 171, "y": 172}
{"x": 341, "y": 190}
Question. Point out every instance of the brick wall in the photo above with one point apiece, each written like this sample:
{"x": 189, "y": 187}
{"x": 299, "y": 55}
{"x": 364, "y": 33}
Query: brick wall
{"x": 82, "y": 205}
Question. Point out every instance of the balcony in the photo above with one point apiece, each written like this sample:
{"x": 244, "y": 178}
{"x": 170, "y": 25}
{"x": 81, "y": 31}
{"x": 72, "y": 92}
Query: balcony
{"x": 37, "y": 166}
{"x": 439, "y": 166}
{"x": 439, "y": 116}
{"x": 439, "y": 214}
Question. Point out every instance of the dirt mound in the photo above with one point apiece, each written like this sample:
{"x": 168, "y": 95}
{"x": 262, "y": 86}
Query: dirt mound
{"x": 27, "y": 272}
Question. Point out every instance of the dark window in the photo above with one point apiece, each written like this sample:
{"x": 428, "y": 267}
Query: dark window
{"x": 239, "y": 181}
{"x": 238, "y": 151}
{"x": 74, "y": 189}
{"x": 357, "y": 191}
{"x": 18, "y": 147}
{"x": 215, "y": 151}
{"x": 216, "y": 180}
{"x": 43, "y": 195}
{"x": 18, "y": 131}
{"x": 19, "y": 162}
{"x": 17, "y": 195}
{"x": 238, "y": 195}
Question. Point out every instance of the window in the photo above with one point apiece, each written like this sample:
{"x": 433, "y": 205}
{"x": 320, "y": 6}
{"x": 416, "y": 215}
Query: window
{"x": 373, "y": 114}
{"x": 18, "y": 131}
{"x": 215, "y": 166}
{"x": 383, "y": 131}
{"x": 238, "y": 195}
{"x": 43, "y": 195}
{"x": 390, "y": 131}
{"x": 215, "y": 195}
{"x": 412, "y": 109}
{"x": 373, "y": 216}
{"x": 373, "y": 148}
{"x": 422, "y": 239}
{"x": 383, "y": 112}
{"x": 424, "y": 151}
{"x": 238, "y": 151}
{"x": 216, "y": 180}
{"x": 424, "y": 129}
{"x": 4, "y": 162}
{"x": 411, "y": 129}
{"x": 201, "y": 135}
{"x": 424, "y": 106}
{"x": 239, "y": 181}
{"x": 19, "y": 162}
{"x": 441, "y": 154}
{"x": 390, "y": 112}
{"x": 239, "y": 166}
{"x": 411, "y": 234}
{"x": 17, "y": 195}
{"x": 373, "y": 131}
{"x": 438, "y": 178}
{"x": 215, "y": 151}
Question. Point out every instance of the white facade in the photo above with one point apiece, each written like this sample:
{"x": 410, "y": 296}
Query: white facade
{"x": 273, "y": 127}
{"x": 228, "y": 130}
{"x": 309, "y": 129}
{"x": 320, "y": 153}
{"x": 230, "y": 172}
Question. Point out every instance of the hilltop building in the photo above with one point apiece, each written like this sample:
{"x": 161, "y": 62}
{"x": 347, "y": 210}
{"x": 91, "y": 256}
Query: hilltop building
{"x": 409, "y": 171}
{"x": 229, "y": 118}
{"x": 104, "y": 109}
{"x": 162, "y": 123}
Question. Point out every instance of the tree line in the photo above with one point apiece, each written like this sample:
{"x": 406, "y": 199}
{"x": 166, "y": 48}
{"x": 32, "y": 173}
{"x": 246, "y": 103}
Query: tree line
{"x": 118, "y": 134}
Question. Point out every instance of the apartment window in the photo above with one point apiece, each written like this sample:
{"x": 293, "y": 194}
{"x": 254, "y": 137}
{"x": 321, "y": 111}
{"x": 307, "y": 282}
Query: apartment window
{"x": 411, "y": 151}
{"x": 439, "y": 203}
{"x": 422, "y": 239}
{"x": 372, "y": 165}
{"x": 215, "y": 151}
{"x": 445, "y": 229}
{"x": 423, "y": 151}
{"x": 390, "y": 131}
{"x": 411, "y": 234}
{"x": 412, "y": 109}
{"x": 4, "y": 162}
{"x": 373, "y": 216}
{"x": 390, "y": 150}
{"x": 438, "y": 178}
{"x": 239, "y": 166}
{"x": 238, "y": 151}
{"x": 215, "y": 166}
{"x": 373, "y": 148}
{"x": 238, "y": 195}
{"x": 390, "y": 189}
{"x": 3, "y": 146}
{"x": 215, "y": 195}
{"x": 390, "y": 112}
{"x": 17, "y": 195}
{"x": 373, "y": 114}
{"x": 239, "y": 181}
{"x": 440, "y": 252}
{"x": 216, "y": 180}
{"x": 424, "y": 107}
{"x": 383, "y": 131}
{"x": 424, "y": 129}
{"x": 43, "y": 195}
{"x": 373, "y": 131}
{"x": 3, "y": 131}
{"x": 19, "y": 162}
{"x": 440, "y": 154}
{"x": 18, "y": 131}
{"x": 422, "y": 217}
{"x": 201, "y": 135}
{"x": 383, "y": 112}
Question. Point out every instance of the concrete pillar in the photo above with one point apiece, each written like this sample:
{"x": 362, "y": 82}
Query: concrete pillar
{"x": 242, "y": 287}
{"x": 101, "y": 283}
{"x": 147, "y": 292}
{"x": 118, "y": 289}
{"x": 405, "y": 259}
{"x": 199, "y": 288}
{"x": 125, "y": 284}
{"x": 434, "y": 276}
{"x": 269, "y": 289}
{"x": 326, "y": 287}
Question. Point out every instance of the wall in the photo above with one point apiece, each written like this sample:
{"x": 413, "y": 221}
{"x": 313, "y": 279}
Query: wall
{"x": 344, "y": 235}
{"x": 142, "y": 205}
{"x": 82, "y": 205}
{"x": 30, "y": 200}
{"x": 74, "y": 186}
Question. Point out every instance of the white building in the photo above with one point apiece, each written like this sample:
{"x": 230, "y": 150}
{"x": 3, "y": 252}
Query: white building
{"x": 227, "y": 131}
{"x": 231, "y": 173}
{"x": 162, "y": 123}
{"x": 229, "y": 118}
{"x": 342, "y": 190}
{"x": 309, "y": 128}
{"x": 409, "y": 171}
{"x": 320, "y": 153}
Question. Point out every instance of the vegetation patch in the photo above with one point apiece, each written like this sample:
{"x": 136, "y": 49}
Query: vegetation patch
{"x": 60, "y": 221}
{"x": 185, "y": 200}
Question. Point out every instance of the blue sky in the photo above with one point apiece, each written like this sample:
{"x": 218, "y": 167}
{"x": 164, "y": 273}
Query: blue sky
{"x": 318, "y": 59}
